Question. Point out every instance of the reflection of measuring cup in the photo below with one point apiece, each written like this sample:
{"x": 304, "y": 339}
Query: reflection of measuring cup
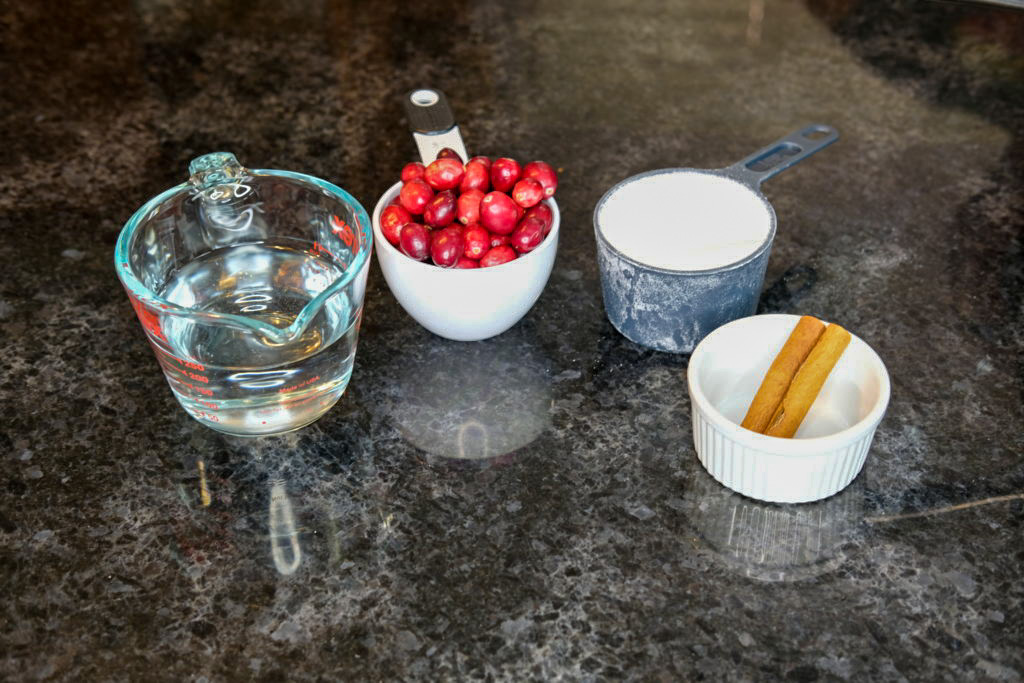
{"x": 249, "y": 285}
{"x": 284, "y": 535}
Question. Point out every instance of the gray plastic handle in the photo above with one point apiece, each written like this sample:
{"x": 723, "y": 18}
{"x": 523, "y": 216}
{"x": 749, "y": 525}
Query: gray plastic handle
{"x": 428, "y": 111}
{"x": 433, "y": 124}
{"x": 781, "y": 154}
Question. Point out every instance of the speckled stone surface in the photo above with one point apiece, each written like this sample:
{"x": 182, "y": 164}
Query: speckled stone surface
{"x": 577, "y": 537}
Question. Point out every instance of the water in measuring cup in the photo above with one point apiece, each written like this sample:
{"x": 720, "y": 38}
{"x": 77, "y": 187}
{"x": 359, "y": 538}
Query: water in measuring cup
{"x": 238, "y": 381}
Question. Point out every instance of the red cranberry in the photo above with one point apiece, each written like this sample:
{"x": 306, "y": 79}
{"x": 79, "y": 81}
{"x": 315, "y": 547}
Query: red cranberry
{"x": 477, "y": 177}
{"x": 415, "y": 241}
{"x": 497, "y": 256}
{"x": 543, "y": 213}
{"x": 466, "y": 263}
{"x": 448, "y": 153}
{"x": 504, "y": 174}
{"x": 444, "y": 174}
{"x": 478, "y": 241}
{"x": 486, "y": 161}
{"x": 412, "y": 171}
{"x": 391, "y": 221}
{"x": 527, "y": 235}
{"x": 447, "y": 246}
{"x": 543, "y": 174}
{"x": 441, "y": 209}
{"x": 498, "y": 213}
{"x": 499, "y": 240}
{"x": 527, "y": 192}
{"x": 468, "y": 210}
{"x": 415, "y": 196}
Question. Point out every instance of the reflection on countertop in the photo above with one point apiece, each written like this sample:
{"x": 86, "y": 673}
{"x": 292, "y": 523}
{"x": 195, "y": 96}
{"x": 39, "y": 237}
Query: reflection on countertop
{"x": 469, "y": 401}
{"x": 773, "y": 542}
{"x": 284, "y": 541}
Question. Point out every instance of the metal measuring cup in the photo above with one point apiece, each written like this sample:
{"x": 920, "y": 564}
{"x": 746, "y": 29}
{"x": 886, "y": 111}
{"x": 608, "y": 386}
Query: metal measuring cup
{"x": 673, "y": 309}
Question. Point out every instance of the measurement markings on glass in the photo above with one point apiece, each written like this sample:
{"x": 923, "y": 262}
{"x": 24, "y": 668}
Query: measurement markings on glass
{"x": 319, "y": 248}
{"x": 344, "y": 231}
{"x": 301, "y": 384}
{"x": 188, "y": 369}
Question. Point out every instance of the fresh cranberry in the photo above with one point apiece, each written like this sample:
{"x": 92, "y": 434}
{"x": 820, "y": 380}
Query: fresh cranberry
{"x": 468, "y": 210}
{"x": 447, "y": 246}
{"x": 444, "y": 174}
{"x": 498, "y": 213}
{"x": 415, "y": 196}
{"x": 499, "y": 240}
{"x": 466, "y": 263}
{"x": 527, "y": 235}
{"x": 497, "y": 256}
{"x": 441, "y": 209}
{"x": 415, "y": 241}
{"x": 412, "y": 171}
{"x": 543, "y": 174}
{"x": 477, "y": 177}
{"x": 527, "y": 193}
{"x": 504, "y": 174}
{"x": 543, "y": 213}
{"x": 478, "y": 241}
{"x": 448, "y": 153}
{"x": 391, "y": 221}
{"x": 486, "y": 161}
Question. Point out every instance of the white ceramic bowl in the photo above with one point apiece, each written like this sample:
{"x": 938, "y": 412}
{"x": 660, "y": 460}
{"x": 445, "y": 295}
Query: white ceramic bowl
{"x": 828, "y": 450}
{"x": 465, "y": 305}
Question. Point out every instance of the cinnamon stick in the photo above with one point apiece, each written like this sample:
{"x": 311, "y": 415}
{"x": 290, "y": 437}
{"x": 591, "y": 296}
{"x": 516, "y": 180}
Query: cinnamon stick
{"x": 779, "y": 376}
{"x": 808, "y": 382}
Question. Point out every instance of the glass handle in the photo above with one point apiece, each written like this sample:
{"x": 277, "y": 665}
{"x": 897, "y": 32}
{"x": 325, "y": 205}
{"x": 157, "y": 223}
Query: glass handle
{"x": 211, "y": 170}
{"x": 228, "y": 211}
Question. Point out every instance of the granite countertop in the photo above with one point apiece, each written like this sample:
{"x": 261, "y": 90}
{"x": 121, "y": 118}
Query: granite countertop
{"x": 135, "y": 544}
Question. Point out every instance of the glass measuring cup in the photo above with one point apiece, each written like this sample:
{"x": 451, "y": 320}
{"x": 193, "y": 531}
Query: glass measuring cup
{"x": 249, "y": 285}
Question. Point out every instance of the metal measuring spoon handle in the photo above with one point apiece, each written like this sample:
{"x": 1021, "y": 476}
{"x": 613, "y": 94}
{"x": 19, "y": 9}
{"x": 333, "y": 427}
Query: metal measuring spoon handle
{"x": 781, "y": 154}
{"x": 433, "y": 124}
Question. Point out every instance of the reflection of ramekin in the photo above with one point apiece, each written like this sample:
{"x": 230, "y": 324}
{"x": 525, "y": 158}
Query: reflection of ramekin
{"x": 829, "y": 449}
{"x": 771, "y": 542}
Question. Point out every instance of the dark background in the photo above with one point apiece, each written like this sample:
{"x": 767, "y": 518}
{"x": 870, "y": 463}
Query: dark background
{"x": 595, "y": 546}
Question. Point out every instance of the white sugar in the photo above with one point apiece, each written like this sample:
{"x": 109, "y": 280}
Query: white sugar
{"x": 684, "y": 220}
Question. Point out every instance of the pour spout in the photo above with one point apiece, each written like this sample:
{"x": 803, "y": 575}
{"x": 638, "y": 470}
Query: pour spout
{"x": 284, "y": 335}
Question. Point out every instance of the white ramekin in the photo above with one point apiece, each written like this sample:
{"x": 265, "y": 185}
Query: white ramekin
{"x": 465, "y": 305}
{"x": 828, "y": 450}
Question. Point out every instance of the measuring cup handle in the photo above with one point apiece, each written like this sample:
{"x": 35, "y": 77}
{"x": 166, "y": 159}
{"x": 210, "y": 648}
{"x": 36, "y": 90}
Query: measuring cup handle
{"x": 428, "y": 111}
{"x": 781, "y": 154}
{"x": 432, "y": 123}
